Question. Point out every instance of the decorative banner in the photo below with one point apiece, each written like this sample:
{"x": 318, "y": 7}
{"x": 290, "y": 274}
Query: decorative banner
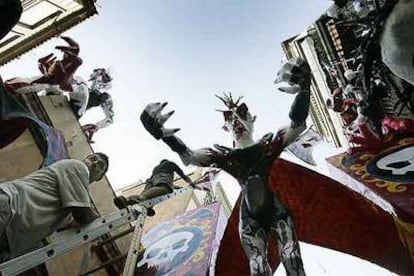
{"x": 15, "y": 119}
{"x": 388, "y": 173}
{"x": 327, "y": 214}
{"x": 182, "y": 245}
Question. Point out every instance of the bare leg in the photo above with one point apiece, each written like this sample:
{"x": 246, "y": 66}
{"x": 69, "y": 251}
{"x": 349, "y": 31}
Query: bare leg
{"x": 253, "y": 238}
{"x": 282, "y": 226}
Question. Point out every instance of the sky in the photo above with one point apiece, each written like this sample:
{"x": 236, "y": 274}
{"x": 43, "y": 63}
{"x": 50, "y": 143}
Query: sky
{"x": 184, "y": 52}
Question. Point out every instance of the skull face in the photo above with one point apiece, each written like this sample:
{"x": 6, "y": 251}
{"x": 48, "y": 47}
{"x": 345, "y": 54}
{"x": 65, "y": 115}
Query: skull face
{"x": 101, "y": 79}
{"x": 166, "y": 252}
{"x": 400, "y": 162}
{"x": 239, "y": 121}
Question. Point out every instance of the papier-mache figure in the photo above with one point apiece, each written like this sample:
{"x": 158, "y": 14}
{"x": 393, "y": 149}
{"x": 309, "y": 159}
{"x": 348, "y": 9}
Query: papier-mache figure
{"x": 262, "y": 214}
{"x": 101, "y": 82}
{"x": 58, "y": 77}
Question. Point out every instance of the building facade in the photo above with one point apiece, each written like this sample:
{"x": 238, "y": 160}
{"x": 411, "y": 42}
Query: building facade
{"x": 42, "y": 20}
{"x": 333, "y": 47}
{"x": 309, "y": 47}
{"x": 25, "y": 155}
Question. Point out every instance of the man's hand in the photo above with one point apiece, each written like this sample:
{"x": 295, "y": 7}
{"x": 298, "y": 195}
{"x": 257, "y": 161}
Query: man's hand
{"x": 296, "y": 72}
{"x": 153, "y": 120}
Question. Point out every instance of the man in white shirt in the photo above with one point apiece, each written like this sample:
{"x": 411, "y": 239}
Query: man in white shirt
{"x": 33, "y": 207}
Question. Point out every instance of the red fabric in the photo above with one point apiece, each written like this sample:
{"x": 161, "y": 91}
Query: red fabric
{"x": 231, "y": 259}
{"x": 396, "y": 190}
{"x": 398, "y": 125}
{"x": 327, "y": 214}
{"x": 61, "y": 72}
{"x": 368, "y": 141}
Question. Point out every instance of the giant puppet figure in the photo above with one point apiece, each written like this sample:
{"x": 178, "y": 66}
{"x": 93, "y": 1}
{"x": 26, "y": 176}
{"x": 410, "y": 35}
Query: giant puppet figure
{"x": 262, "y": 214}
{"x": 101, "y": 82}
{"x": 55, "y": 74}
{"x": 58, "y": 77}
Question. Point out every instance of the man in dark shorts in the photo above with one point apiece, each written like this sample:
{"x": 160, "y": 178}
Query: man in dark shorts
{"x": 160, "y": 183}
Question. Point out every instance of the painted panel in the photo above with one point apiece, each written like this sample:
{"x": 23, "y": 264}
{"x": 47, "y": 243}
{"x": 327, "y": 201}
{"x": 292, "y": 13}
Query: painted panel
{"x": 181, "y": 245}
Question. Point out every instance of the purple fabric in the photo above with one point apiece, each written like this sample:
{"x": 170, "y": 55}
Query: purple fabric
{"x": 15, "y": 118}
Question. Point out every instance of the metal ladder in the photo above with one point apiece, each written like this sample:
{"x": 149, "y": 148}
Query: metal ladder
{"x": 64, "y": 241}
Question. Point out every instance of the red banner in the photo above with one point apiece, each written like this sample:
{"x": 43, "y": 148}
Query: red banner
{"x": 388, "y": 173}
{"x": 326, "y": 214}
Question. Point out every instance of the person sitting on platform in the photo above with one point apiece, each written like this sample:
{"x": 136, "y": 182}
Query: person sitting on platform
{"x": 33, "y": 207}
{"x": 160, "y": 183}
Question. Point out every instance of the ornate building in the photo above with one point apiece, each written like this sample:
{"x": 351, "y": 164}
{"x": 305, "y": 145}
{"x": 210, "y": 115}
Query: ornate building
{"x": 311, "y": 47}
{"x": 42, "y": 20}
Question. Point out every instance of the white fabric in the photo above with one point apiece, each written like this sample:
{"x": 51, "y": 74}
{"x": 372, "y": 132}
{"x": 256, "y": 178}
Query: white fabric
{"x": 26, "y": 85}
{"x": 109, "y": 114}
{"x": 38, "y": 202}
{"x": 80, "y": 94}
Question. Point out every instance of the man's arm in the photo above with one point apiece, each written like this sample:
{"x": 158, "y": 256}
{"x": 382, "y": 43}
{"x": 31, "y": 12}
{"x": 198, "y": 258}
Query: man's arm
{"x": 178, "y": 170}
{"x": 84, "y": 215}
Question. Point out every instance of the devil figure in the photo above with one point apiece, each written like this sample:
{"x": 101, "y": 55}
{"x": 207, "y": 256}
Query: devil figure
{"x": 261, "y": 213}
{"x": 58, "y": 77}
{"x": 101, "y": 82}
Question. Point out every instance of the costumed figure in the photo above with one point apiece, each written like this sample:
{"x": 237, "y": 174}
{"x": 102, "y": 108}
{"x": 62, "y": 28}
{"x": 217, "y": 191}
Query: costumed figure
{"x": 57, "y": 75}
{"x": 262, "y": 214}
{"x": 57, "y": 78}
{"x": 101, "y": 82}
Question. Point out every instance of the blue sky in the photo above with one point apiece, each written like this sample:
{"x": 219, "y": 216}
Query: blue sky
{"x": 184, "y": 52}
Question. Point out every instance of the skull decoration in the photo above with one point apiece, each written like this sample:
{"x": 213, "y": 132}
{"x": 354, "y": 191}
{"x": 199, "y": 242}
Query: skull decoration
{"x": 238, "y": 120}
{"x": 400, "y": 162}
{"x": 168, "y": 252}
